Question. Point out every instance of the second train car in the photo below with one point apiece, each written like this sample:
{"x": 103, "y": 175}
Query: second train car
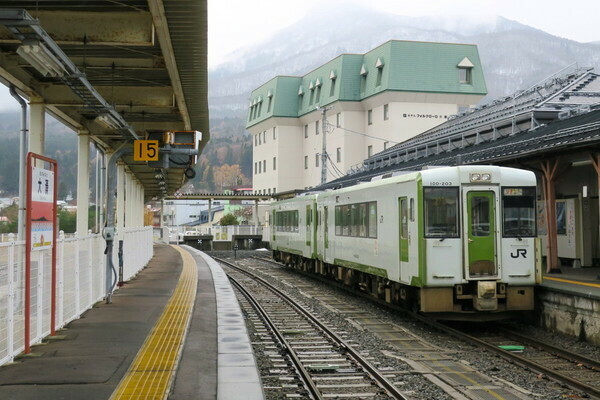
{"x": 441, "y": 240}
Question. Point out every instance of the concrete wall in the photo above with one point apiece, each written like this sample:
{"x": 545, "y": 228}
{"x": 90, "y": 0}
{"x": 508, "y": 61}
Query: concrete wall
{"x": 573, "y": 315}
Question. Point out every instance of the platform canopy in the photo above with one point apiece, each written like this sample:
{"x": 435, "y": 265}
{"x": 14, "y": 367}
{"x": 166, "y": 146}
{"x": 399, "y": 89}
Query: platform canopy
{"x": 117, "y": 69}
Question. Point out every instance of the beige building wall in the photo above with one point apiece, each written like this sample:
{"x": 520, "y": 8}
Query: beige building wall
{"x": 296, "y": 153}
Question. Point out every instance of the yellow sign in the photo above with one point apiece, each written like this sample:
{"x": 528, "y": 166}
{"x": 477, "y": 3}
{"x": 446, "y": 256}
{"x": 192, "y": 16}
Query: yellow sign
{"x": 145, "y": 150}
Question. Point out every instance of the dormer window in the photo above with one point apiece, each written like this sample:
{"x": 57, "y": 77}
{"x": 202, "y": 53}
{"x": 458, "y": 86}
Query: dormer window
{"x": 379, "y": 65}
{"x": 465, "y": 69}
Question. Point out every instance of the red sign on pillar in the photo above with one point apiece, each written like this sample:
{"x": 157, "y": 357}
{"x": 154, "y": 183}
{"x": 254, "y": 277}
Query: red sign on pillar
{"x": 41, "y": 228}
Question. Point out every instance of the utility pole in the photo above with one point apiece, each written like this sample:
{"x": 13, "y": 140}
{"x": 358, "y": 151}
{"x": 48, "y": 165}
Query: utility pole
{"x": 324, "y": 150}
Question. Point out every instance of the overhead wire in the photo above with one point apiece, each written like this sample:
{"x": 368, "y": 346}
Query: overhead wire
{"x": 360, "y": 133}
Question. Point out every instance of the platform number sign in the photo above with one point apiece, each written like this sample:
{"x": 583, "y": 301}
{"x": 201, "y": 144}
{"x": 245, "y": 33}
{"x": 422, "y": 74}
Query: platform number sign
{"x": 145, "y": 150}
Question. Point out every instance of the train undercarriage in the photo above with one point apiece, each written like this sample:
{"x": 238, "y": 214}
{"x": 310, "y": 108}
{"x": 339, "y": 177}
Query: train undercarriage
{"x": 476, "y": 300}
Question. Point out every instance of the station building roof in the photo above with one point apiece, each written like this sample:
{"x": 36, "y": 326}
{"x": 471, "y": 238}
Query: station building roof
{"x": 145, "y": 58}
{"x": 561, "y": 136}
{"x": 396, "y": 65}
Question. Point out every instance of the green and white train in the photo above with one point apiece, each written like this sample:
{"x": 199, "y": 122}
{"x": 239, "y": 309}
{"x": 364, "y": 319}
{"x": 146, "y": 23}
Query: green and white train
{"x": 442, "y": 240}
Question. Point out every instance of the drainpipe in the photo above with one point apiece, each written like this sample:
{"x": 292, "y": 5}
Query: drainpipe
{"x": 109, "y": 231}
{"x": 22, "y": 162}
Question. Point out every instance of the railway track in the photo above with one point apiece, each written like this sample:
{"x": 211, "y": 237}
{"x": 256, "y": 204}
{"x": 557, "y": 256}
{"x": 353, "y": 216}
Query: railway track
{"x": 328, "y": 365}
{"x": 566, "y": 367}
{"x": 561, "y": 365}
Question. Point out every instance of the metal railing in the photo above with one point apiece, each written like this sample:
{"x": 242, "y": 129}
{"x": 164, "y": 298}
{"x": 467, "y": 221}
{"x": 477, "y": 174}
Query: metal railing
{"x": 81, "y": 278}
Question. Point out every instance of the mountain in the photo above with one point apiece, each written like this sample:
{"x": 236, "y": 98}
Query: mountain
{"x": 61, "y": 145}
{"x": 514, "y": 56}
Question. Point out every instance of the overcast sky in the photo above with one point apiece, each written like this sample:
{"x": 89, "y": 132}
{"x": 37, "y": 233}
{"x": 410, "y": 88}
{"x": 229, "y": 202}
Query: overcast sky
{"x": 233, "y": 24}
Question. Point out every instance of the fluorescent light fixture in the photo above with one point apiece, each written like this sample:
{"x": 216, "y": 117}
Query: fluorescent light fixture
{"x": 107, "y": 121}
{"x": 40, "y": 58}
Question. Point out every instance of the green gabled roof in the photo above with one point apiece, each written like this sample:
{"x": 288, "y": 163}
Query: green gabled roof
{"x": 393, "y": 66}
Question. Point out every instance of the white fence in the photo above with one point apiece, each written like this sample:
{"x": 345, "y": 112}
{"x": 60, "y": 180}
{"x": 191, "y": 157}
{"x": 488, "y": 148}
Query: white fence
{"x": 81, "y": 276}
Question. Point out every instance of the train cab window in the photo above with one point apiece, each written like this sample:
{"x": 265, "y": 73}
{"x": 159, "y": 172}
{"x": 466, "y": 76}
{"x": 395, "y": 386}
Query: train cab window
{"x": 518, "y": 210}
{"x": 441, "y": 212}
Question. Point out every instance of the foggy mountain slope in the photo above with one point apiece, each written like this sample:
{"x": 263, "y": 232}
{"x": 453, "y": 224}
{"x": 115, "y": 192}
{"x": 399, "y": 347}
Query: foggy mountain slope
{"x": 514, "y": 55}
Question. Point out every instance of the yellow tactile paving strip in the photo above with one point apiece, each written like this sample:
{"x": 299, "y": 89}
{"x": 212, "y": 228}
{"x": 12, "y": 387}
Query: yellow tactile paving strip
{"x": 596, "y": 285}
{"x": 152, "y": 372}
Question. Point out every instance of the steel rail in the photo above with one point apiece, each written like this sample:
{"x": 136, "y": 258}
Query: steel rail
{"x": 507, "y": 355}
{"x": 304, "y": 374}
{"x": 375, "y": 374}
{"x": 574, "y": 357}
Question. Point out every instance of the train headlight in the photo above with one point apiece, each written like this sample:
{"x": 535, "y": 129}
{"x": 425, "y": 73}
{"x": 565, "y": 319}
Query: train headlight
{"x": 480, "y": 177}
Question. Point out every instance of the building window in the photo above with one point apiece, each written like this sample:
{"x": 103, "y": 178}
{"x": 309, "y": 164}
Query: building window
{"x": 316, "y": 127}
{"x": 332, "y": 88}
{"x": 369, "y": 151}
{"x": 370, "y": 117}
{"x": 312, "y": 96}
{"x": 259, "y": 167}
{"x": 269, "y": 105}
{"x": 255, "y": 140}
{"x": 386, "y": 112}
{"x": 274, "y": 163}
{"x": 385, "y": 145}
{"x": 274, "y": 137}
{"x": 259, "y": 138}
{"x": 255, "y": 168}
{"x": 317, "y": 156}
{"x": 274, "y": 191}
{"x": 464, "y": 75}
{"x": 379, "y": 75}
{"x": 305, "y": 131}
{"x": 338, "y": 120}
{"x": 305, "y": 162}
{"x": 339, "y": 154}
{"x": 318, "y": 94}
{"x": 259, "y": 108}
{"x": 265, "y": 165}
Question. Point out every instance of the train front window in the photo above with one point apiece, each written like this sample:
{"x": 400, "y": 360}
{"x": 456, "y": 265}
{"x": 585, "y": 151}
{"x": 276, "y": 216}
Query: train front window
{"x": 441, "y": 212}
{"x": 518, "y": 210}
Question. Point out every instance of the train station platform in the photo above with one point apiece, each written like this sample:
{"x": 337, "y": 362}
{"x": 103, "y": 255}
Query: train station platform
{"x": 576, "y": 281}
{"x": 176, "y": 329}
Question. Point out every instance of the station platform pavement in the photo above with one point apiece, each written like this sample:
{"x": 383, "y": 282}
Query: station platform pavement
{"x": 583, "y": 282}
{"x": 130, "y": 349}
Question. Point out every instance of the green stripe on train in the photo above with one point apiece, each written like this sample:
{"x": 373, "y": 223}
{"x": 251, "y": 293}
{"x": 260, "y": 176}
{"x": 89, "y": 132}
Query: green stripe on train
{"x": 368, "y": 269}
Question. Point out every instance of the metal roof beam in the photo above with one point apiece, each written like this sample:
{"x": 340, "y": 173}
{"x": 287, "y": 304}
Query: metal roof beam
{"x": 101, "y": 28}
{"x": 24, "y": 27}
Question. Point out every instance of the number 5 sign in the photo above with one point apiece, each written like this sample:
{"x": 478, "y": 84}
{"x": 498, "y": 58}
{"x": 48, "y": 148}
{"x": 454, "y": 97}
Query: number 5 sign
{"x": 145, "y": 150}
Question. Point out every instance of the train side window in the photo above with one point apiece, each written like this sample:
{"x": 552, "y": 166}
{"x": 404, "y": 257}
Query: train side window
{"x": 372, "y": 219}
{"x": 441, "y": 212}
{"x": 338, "y": 221}
{"x": 403, "y": 219}
{"x": 354, "y": 220}
{"x": 412, "y": 209}
{"x": 362, "y": 220}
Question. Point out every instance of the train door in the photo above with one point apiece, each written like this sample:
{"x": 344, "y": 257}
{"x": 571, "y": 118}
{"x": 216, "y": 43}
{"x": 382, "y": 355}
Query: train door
{"x": 480, "y": 233}
{"x": 403, "y": 231}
